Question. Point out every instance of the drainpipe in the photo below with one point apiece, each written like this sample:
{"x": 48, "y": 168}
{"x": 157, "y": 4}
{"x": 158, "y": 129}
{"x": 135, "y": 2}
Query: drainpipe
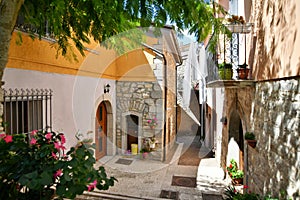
{"x": 160, "y": 54}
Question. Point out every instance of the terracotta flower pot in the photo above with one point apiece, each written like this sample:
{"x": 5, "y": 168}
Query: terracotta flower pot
{"x": 243, "y": 73}
{"x": 252, "y": 143}
{"x": 237, "y": 181}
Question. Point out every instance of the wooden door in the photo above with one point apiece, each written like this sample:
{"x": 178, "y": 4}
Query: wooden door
{"x": 101, "y": 131}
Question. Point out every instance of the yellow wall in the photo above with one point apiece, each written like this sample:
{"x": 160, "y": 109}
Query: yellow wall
{"x": 41, "y": 55}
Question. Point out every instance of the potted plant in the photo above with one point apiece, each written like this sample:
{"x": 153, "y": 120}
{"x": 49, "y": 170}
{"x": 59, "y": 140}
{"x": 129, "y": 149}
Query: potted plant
{"x": 237, "y": 177}
{"x": 235, "y": 174}
{"x": 232, "y": 167}
{"x": 225, "y": 71}
{"x": 243, "y": 71}
{"x": 152, "y": 142}
{"x": 152, "y": 122}
{"x": 250, "y": 137}
{"x": 144, "y": 152}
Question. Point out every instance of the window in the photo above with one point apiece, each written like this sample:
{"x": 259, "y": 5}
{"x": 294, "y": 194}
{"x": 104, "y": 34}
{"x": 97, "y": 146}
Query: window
{"x": 26, "y": 110}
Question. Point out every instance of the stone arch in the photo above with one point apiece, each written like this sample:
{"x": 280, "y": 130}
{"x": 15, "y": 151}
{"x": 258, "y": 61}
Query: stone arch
{"x": 235, "y": 139}
{"x": 237, "y": 125}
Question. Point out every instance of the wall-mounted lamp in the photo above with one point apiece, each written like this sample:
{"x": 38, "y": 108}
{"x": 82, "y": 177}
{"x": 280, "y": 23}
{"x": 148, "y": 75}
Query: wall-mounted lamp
{"x": 106, "y": 88}
{"x": 224, "y": 120}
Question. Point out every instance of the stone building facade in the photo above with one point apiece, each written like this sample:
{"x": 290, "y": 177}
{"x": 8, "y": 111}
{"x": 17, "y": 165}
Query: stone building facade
{"x": 268, "y": 104}
{"x": 153, "y": 99}
{"x": 143, "y": 101}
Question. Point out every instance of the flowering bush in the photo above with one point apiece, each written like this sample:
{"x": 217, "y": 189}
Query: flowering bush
{"x": 231, "y": 193}
{"x": 35, "y": 166}
{"x": 152, "y": 122}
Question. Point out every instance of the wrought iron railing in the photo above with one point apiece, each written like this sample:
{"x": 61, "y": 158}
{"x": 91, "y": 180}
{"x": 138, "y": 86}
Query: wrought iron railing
{"x": 27, "y": 110}
{"x": 46, "y": 30}
{"x": 229, "y": 51}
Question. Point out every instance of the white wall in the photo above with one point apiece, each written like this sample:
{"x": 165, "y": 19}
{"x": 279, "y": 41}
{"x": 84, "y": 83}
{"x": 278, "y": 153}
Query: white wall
{"x": 219, "y": 115}
{"x": 75, "y": 98}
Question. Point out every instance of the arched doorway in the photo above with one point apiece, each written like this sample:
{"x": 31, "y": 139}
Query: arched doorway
{"x": 132, "y": 122}
{"x": 236, "y": 139}
{"x": 101, "y": 131}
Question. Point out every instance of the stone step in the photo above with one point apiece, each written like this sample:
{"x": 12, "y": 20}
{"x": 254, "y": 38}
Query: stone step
{"x": 102, "y": 195}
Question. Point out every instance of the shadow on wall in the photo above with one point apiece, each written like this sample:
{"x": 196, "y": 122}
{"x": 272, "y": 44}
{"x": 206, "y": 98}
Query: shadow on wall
{"x": 276, "y": 42}
{"x": 185, "y": 124}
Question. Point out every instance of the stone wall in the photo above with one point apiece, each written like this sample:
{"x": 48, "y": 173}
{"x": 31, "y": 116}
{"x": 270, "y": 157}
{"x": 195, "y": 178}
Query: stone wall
{"x": 274, "y": 165}
{"x": 143, "y": 99}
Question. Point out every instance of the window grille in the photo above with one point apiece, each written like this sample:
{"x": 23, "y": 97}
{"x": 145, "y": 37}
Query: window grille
{"x": 26, "y": 110}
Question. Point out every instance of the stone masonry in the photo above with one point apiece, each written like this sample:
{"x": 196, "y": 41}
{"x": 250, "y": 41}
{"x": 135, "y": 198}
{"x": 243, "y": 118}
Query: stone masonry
{"x": 143, "y": 99}
{"x": 274, "y": 165}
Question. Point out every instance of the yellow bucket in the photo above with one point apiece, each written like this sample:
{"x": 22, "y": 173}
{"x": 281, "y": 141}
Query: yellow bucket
{"x": 134, "y": 149}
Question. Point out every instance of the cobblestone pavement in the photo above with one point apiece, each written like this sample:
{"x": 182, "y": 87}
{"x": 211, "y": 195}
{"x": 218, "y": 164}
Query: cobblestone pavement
{"x": 147, "y": 179}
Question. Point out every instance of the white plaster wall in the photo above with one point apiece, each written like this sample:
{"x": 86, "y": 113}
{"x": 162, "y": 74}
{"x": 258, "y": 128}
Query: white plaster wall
{"x": 219, "y": 126}
{"x": 214, "y": 139}
{"x": 209, "y": 136}
{"x": 75, "y": 98}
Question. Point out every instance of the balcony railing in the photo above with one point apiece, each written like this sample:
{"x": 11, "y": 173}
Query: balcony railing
{"x": 45, "y": 31}
{"x": 230, "y": 52}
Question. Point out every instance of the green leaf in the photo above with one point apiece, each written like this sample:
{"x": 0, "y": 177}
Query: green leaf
{"x": 33, "y": 184}
{"x": 61, "y": 190}
{"x": 32, "y": 175}
{"x": 46, "y": 178}
{"x": 67, "y": 176}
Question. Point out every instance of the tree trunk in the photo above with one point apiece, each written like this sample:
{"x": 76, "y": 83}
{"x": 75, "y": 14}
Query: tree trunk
{"x": 9, "y": 10}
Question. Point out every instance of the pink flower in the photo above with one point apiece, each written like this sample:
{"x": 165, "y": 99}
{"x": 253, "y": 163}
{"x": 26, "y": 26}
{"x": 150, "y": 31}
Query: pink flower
{"x": 54, "y": 155}
{"x": 33, "y": 132}
{"x": 58, "y": 146}
{"x": 48, "y": 136}
{"x": 92, "y": 185}
{"x": 58, "y": 173}
{"x": 62, "y": 139}
{"x": 90, "y": 188}
{"x": 33, "y": 141}
{"x": 95, "y": 182}
{"x": 2, "y": 135}
{"x": 246, "y": 186}
{"x": 8, "y": 138}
